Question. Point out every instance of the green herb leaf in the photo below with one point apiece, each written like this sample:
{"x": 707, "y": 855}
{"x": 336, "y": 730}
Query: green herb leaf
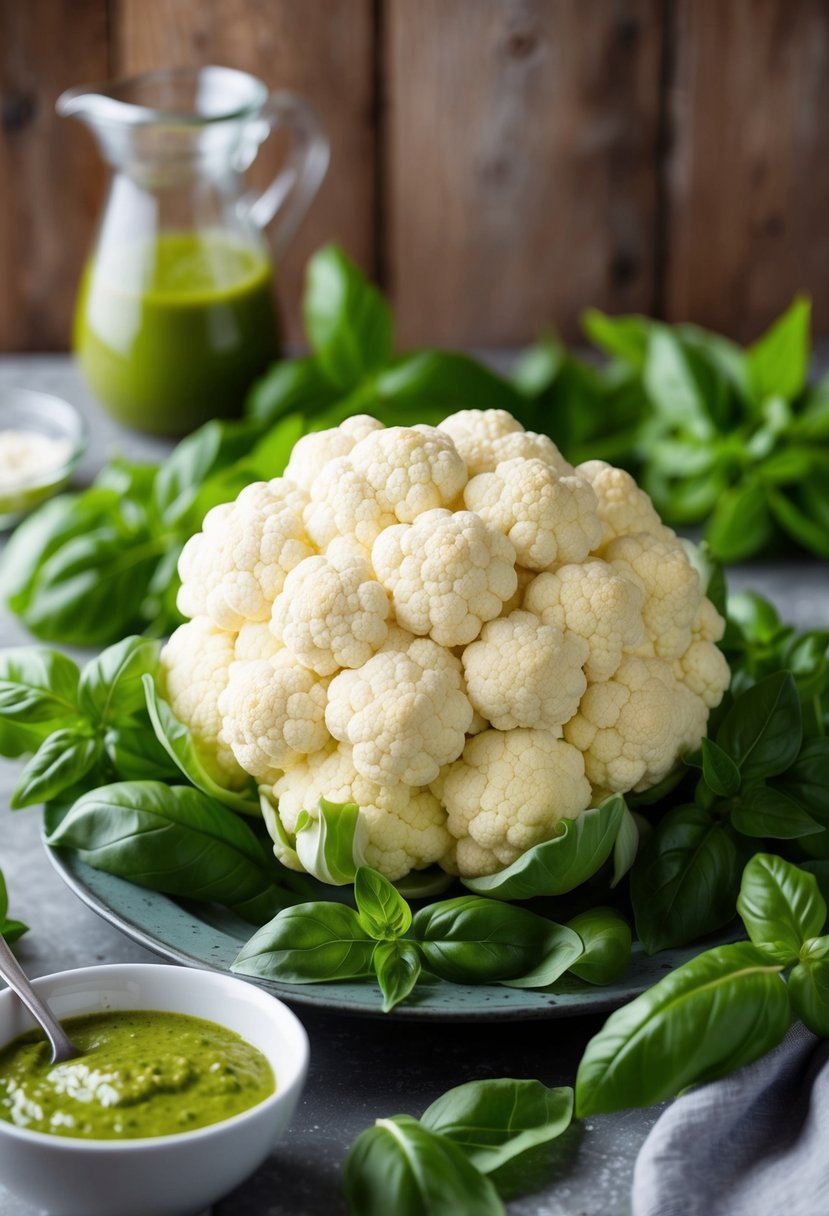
{"x": 62, "y": 759}
{"x": 176, "y": 840}
{"x": 763, "y": 811}
{"x": 309, "y": 944}
{"x": 777, "y": 364}
{"x": 330, "y": 841}
{"x": 762, "y": 731}
{"x": 474, "y": 941}
{"x": 11, "y": 930}
{"x": 110, "y": 686}
{"x": 560, "y": 950}
{"x": 348, "y": 322}
{"x": 500, "y": 1120}
{"x": 579, "y": 849}
{"x": 38, "y": 686}
{"x": 178, "y": 743}
{"x": 439, "y": 381}
{"x": 382, "y": 910}
{"x": 685, "y": 881}
{"x": 136, "y": 754}
{"x": 740, "y": 524}
{"x": 208, "y": 450}
{"x": 625, "y": 847}
{"x": 624, "y": 337}
{"x": 606, "y": 939}
{"x": 400, "y": 1166}
{"x": 707, "y": 1018}
{"x": 722, "y": 776}
{"x": 397, "y": 966}
{"x": 807, "y": 780}
{"x": 781, "y": 907}
{"x": 809, "y": 995}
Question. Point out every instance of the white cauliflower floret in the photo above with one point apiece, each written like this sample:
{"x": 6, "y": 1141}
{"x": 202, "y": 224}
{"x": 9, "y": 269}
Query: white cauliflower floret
{"x": 406, "y": 827}
{"x": 516, "y": 600}
{"x": 343, "y": 504}
{"x": 410, "y": 469}
{"x": 235, "y": 567}
{"x": 256, "y": 641}
{"x": 671, "y": 585}
{"x": 594, "y": 602}
{"x": 271, "y": 712}
{"x": 447, "y": 573}
{"x": 623, "y": 508}
{"x": 485, "y": 438}
{"x": 403, "y": 712}
{"x": 332, "y": 612}
{"x": 631, "y": 727}
{"x": 704, "y": 670}
{"x": 195, "y": 665}
{"x": 549, "y": 519}
{"x": 507, "y": 793}
{"x": 521, "y": 672}
{"x": 313, "y": 451}
{"x": 707, "y": 625}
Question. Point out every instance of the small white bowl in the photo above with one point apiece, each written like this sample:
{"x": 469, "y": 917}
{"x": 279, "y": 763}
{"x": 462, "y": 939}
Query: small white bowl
{"x": 24, "y": 409}
{"x": 176, "y": 1175}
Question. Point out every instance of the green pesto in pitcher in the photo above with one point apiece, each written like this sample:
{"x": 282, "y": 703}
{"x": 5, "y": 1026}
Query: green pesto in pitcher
{"x": 186, "y": 344}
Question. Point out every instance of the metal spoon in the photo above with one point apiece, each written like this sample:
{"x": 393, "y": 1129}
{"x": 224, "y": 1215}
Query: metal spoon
{"x": 62, "y": 1046}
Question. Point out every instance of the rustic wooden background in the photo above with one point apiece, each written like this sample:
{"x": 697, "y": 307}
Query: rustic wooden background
{"x": 498, "y": 165}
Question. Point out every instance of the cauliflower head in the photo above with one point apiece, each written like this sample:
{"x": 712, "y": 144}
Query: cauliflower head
{"x": 450, "y": 627}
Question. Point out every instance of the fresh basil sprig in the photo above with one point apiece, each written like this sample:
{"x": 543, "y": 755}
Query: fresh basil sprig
{"x": 448, "y": 1162}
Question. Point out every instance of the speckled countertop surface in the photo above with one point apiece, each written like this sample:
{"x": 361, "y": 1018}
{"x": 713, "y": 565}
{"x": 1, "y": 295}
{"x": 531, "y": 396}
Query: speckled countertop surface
{"x": 359, "y": 1069}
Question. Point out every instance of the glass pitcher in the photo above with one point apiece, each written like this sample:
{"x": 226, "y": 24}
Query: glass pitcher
{"x": 175, "y": 315}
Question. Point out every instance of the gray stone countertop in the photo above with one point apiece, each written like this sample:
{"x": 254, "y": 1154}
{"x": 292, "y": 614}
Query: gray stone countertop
{"x": 360, "y": 1069}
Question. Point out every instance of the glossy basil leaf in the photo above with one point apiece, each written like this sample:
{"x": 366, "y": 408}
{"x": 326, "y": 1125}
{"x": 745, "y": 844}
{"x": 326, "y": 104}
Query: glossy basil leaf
{"x": 606, "y": 941}
{"x": 347, "y": 320}
{"x": 399, "y": 1166}
{"x": 291, "y": 386}
{"x": 799, "y": 525}
{"x": 740, "y": 524}
{"x": 580, "y": 847}
{"x": 37, "y": 686}
{"x": 560, "y": 950}
{"x": 193, "y": 461}
{"x": 707, "y": 1018}
{"x": 807, "y": 780}
{"x": 443, "y": 381}
{"x": 63, "y": 759}
{"x": 778, "y": 362}
{"x": 176, "y": 840}
{"x": 681, "y": 385}
{"x": 625, "y": 847}
{"x": 330, "y": 841}
{"x": 11, "y": 930}
{"x": 781, "y": 906}
{"x": 809, "y": 995}
{"x": 766, "y": 812}
{"x": 625, "y": 338}
{"x": 468, "y": 940}
{"x": 397, "y": 966}
{"x": 762, "y": 731}
{"x": 685, "y": 881}
{"x": 136, "y": 755}
{"x": 382, "y": 910}
{"x": 110, "y": 686}
{"x": 178, "y": 743}
{"x": 722, "y": 776}
{"x": 309, "y": 944}
{"x": 499, "y": 1120}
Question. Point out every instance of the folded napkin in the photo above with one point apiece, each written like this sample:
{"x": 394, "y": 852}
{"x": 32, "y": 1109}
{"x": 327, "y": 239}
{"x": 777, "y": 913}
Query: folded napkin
{"x": 753, "y": 1144}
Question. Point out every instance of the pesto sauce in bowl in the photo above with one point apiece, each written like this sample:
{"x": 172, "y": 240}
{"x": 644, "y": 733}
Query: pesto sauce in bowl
{"x": 143, "y": 1073}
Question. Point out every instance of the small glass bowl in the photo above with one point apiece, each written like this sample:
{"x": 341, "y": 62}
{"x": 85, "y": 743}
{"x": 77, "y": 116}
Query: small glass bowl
{"x": 24, "y": 409}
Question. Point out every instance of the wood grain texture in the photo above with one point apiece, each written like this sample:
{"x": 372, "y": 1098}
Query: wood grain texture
{"x": 324, "y": 51}
{"x": 51, "y": 179}
{"x": 521, "y": 163}
{"x": 748, "y": 175}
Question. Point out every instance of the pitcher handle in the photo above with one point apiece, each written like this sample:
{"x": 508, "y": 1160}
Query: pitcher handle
{"x": 305, "y": 166}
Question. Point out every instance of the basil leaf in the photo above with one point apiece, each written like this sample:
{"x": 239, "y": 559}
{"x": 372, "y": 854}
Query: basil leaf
{"x": 682, "y": 387}
{"x": 400, "y": 1166}
{"x": 330, "y": 841}
{"x": 348, "y": 323}
{"x": 778, "y": 362}
{"x": 309, "y": 944}
{"x": 560, "y": 950}
{"x": 289, "y": 386}
{"x": 382, "y": 910}
{"x": 763, "y": 811}
{"x": 424, "y": 884}
{"x": 722, "y": 776}
{"x": 441, "y": 381}
{"x": 397, "y": 967}
{"x": 499, "y": 1120}
{"x": 623, "y": 337}
{"x": 625, "y": 848}
{"x": 781, "y": 906}
{"x": 136, "y": 754}
{"x": 13, "y": 930}
{"x": 473, "y": 941}
{"x": 579, "y": 848}
{"x": 809, "y": 995}
{"x": 208, "y": 450}
{"x": 762, "y": 731}
{"x": 60, "y": 761}
{"x": 807, "y": 780}
{"x": 110, "y": 685}
{"x": 172, "y": 839}
{"x": 178, "y": 743}
{"x": 707, "y": 1018}
{"x": 740, "y": 524}
{"x": 685, "y": 881}
{"x": 606, "y": 939}
{"x": 37, "y": 686}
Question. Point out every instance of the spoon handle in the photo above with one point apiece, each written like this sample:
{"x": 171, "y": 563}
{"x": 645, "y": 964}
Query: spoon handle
{"x": 62, "y": 1046}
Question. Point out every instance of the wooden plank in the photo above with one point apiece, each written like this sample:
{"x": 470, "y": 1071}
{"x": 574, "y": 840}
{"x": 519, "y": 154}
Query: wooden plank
{"x": 322, "y": 51}
{"x": 51, "y": 177}
{"x": 748, "y": 182}
{"x": 521, "y": 164}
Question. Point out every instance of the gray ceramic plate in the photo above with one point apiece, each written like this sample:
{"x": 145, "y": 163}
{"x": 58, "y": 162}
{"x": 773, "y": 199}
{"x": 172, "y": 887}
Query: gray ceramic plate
{"x": 207, "y": 936}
